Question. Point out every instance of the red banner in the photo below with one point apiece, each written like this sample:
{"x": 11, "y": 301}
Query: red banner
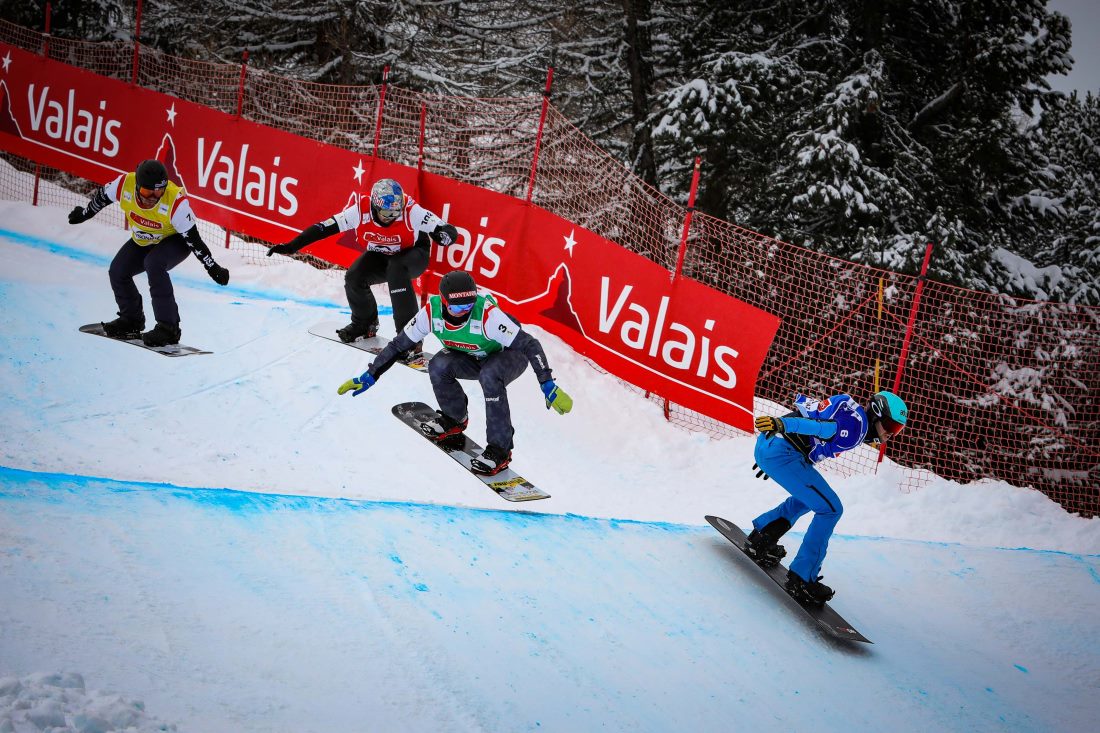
{"x": 682, "y": 340}
{"x": 694, "y": 345}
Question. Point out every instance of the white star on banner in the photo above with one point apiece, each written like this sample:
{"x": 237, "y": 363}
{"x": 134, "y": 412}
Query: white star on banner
{"x": 7, "y": 61}
{"x": 172, "y": 114}
{"x": 359, "y": 171}
{"x": 570, "y": 242}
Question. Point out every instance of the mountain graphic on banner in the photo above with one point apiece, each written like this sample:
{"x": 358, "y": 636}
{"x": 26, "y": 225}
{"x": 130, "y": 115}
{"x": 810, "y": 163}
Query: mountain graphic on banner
{"x": 166, "y": 154}
{"x": 560, "y": 309}
{"x": 7, "y": 119}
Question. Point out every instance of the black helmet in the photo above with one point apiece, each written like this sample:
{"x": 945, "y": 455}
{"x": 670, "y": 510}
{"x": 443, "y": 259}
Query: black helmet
{"x": 458, "y": 288}
{"x": 458, "y": 291}
{"x": 152, "y": 174}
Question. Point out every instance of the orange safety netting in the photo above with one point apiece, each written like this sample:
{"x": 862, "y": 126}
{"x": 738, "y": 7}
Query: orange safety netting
{"x": 998, "y": 387}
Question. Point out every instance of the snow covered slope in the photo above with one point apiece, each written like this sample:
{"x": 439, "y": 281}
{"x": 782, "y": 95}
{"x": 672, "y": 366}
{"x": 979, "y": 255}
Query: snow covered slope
{"x": 349, "y": 579}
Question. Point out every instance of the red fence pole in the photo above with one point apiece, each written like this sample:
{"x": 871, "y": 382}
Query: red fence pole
{"x": 684, "y": 240}
{"x": 240, "y": 110}
{"x": 46, "y": 35}
{"x": 687, "y": 219}
{"x": 538, "y": 135}
{"x": 909, "y": 330}
{"x": 381, "y": 106}
{"x": 240, "y": 87}
{"x": 137, "y": 42}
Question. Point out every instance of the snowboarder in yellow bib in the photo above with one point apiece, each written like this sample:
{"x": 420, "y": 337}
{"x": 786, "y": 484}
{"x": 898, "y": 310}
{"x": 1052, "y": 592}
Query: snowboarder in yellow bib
{"x": 162, "y": 233}
{"x": 480, "y": 341}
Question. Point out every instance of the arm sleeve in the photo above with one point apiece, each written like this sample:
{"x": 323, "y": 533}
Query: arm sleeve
{"x": 198, "y": 247}
{"x": 501, "y": 328}
{"x": 823, "y": 429}
{"x": 113, "y": 190}
{"x": 183, "y": 218}
{"x": 98, "y": 202}
{"x": 532, "y": 349}
{"x": 315, "y": 233}
{"x": 426, "y": 224}
{"x": 415, "y": 332}
{"x": 104, "y": 197}
{"x": 348, "y": 219}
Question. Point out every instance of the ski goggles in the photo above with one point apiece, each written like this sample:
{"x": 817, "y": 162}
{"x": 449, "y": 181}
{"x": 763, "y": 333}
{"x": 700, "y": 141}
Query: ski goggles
{"x": 151, "y": 193}
{"x": 890, "y": 427}
{"x": 458, "y": 309}
{"x": 387, "y": 208}
{"x": 886, "y": 428}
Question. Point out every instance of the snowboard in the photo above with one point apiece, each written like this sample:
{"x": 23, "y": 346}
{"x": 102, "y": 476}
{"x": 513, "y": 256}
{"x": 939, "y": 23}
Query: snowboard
{"x": 508, "y": 484}
{"x": 327, "y": 330}
{"x": 828, "y": 619}
{"x": 96, "y": 329}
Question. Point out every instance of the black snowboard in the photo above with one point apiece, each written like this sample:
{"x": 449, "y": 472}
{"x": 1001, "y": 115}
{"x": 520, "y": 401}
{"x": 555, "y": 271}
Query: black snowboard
{"x": 96, "y": 329}
{"x": 327, "y": 330}
{"x": 826, "y": 618}
{"x": 508, "y": 484}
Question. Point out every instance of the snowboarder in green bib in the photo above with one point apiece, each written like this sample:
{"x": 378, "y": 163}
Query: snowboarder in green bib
{"x": 480, "y": 341}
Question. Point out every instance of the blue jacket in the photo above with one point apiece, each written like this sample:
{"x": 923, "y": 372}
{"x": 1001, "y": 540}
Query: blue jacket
{"x": 831, "y": 426}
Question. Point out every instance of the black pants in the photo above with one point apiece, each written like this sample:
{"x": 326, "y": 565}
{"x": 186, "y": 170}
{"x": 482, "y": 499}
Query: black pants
{"x": 495, "y": 372}
{"x": 398, "y": 272}
{"x": 155, "y": 261}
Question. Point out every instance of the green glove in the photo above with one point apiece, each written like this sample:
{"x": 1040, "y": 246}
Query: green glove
{"x": 556, "y": 397}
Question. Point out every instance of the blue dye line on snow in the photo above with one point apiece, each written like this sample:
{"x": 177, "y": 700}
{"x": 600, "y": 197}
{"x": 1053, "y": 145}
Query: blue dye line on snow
{"x": 244, "y": 502}
{"x": 91, "y": 258}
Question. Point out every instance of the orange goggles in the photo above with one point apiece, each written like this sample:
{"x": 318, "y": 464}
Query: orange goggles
{"x": 151, "y": 192}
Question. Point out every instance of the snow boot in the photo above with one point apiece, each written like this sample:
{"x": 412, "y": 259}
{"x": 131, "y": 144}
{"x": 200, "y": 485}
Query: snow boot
{"x": 415, "y": 355}
{"x": 124, "y": 328}
{"x": 441, "y": 427}
{"x": 492, "y": 461}
{"x": 763, "y": 545}
{"x": 163, "y": 334}
{"x": 814, "y": 593}
{"x": 356, "y": 329}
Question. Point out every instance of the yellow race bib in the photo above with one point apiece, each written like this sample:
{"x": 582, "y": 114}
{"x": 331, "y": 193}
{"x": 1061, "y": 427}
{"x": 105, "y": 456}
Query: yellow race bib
{"x": 149, "y": 226}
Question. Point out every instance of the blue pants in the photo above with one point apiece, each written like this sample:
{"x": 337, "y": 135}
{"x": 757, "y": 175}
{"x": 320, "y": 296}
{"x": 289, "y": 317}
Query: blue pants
{"x": 809, "y": 492}
{"x": 495, "y": 372}
{"x": 155, "y": 261}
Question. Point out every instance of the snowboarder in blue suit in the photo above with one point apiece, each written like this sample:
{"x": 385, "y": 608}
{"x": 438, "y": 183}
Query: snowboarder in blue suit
{"x": 786, "y": 450}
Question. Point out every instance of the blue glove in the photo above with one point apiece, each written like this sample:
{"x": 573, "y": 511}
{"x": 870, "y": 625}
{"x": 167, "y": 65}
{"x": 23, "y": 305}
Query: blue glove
{"x": 360, "y": 384}
{"x": 556, "y": 397}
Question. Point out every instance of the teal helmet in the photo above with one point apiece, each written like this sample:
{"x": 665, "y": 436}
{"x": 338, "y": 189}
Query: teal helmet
{"x": 888, "y": 410}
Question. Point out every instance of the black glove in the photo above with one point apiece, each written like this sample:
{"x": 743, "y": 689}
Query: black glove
{"x": 445, "y": 235}
{"x": 760, "y": 472}
{"x": 283, "y": 249}
{"x": 218, "y": 274}
{"x": 78, "y": 215}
